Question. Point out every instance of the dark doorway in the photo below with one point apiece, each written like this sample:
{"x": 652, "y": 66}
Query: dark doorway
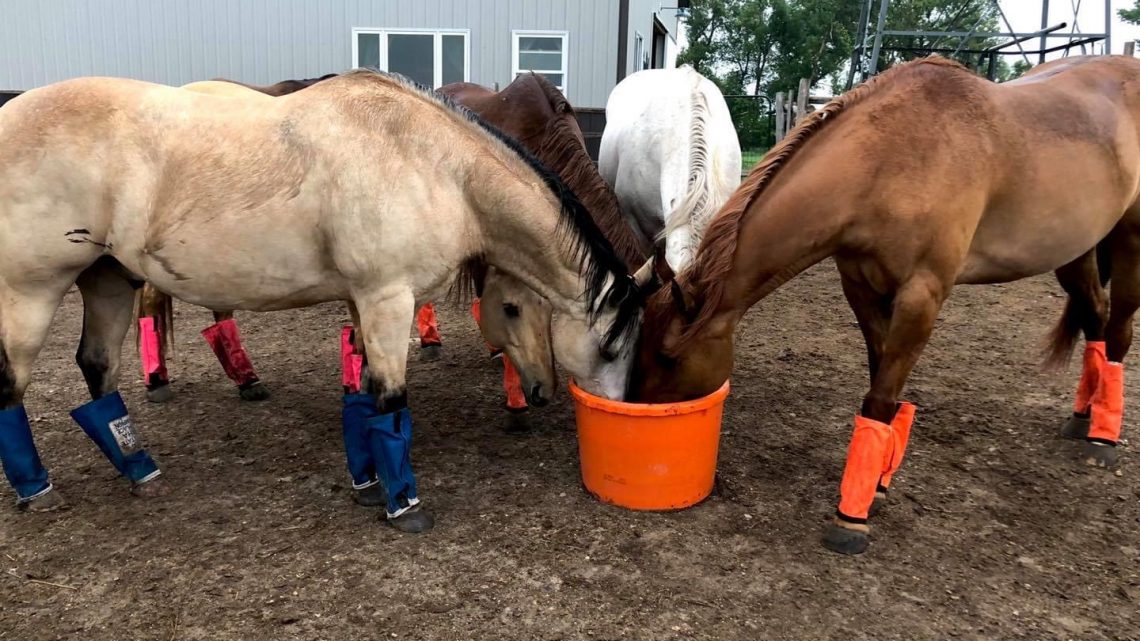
{"x": 659, "y": 36}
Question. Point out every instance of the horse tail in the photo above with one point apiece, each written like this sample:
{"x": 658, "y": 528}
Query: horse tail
{"x": 1063, "y": 337}
{"x": 697, "y": 206}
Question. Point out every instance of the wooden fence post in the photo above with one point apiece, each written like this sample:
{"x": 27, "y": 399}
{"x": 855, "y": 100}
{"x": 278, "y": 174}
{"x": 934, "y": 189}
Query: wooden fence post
{"x": 802, "y": 99}
{"x": 779, "y": 116}
{"x": 1130, "y": 48}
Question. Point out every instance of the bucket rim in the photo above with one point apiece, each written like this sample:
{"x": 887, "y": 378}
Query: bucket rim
{"x": 625, "y": 408}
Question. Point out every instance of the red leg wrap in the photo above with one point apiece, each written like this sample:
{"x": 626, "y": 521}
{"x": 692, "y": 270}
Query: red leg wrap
{"x": 1107, "y": 414}
{"x": 1094, "y": 362}
{"x": 224, "y": 339}
{"x": 428, "y": 326}
{"x": 900, "y": 435}
{"x": 351, "y": 363}
{"x": 516, "y": 398}
{"x": 150, "y": 352}
{"x": 477, "y": 314}
{"x": 866, "y": 457}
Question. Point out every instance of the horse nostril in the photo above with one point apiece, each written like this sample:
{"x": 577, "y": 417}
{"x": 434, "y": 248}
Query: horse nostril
{"x": 536, "y": 398}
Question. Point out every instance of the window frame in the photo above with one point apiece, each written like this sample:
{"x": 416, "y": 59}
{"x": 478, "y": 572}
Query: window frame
{"x": 516, "y": 34}
{"x": 437, "y": 48}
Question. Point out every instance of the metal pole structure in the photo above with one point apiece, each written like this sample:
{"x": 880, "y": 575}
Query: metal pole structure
{"x": 1107, "y": 27}
{"x": 874, "y": 66}
{"x": 860, "y": 42}
{"x": 1044, "y": 25}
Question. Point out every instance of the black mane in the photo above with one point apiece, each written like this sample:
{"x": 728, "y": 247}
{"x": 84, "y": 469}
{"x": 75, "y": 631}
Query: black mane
{"x": 596, "y": 256}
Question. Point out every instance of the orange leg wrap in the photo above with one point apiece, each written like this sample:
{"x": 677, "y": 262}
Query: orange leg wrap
{"x": 866, "y": 459}
{"x": 516, "y": 399}
{"x": 1107, "y": 413}
{"x": 900, "y": 435}
{"x": 477, "y": 314}
{"x": 1094, "y": 362}
{"x": 428, "y": 326}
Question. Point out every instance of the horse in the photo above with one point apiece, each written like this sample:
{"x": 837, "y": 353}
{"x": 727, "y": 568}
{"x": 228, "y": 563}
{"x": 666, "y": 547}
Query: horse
{"x": 340, "y": 192}
{"x": 671, "y": 153}
{"x": 534, "y": 112}
{"x": 925, "y": 177}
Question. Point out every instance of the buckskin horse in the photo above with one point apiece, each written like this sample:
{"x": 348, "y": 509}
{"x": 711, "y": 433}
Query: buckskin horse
{"x": 340, "y": 192}
{"x": 922, "y": 178}
{"x": 671, "y": 153}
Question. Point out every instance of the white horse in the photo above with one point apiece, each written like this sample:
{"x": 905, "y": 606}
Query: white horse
{"x": 671, "y": 153}
{"x": 363, "y": 188}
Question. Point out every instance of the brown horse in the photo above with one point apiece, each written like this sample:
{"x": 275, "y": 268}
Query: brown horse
{"x": 925, "y": 177}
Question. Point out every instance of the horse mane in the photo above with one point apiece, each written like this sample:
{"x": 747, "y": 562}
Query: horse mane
{"x": 562, "y": 150}
{"x": 598, "y": 263}
{"x": 697, "y": 206}
{"x": 706, "y": 277}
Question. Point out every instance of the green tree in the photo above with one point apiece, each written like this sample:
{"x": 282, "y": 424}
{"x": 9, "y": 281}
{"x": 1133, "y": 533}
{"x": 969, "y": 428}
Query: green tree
{"x": 1132, "y": 15}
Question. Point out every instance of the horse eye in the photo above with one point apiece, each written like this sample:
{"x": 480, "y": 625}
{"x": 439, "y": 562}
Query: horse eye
{"x": 667, "y": 362}
{"x": 511, "y": 310}
{"x": 607, "y": 355}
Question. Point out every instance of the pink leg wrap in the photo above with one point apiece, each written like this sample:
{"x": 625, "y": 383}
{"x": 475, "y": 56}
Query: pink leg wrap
{"x": 150, "y": 352}
{"x": 224, "y": 339}
{"x": 351, "y": 363}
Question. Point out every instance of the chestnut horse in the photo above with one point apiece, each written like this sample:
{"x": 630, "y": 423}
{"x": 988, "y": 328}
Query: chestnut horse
{"x": 922, "y": 178}
{"x": 241, "y": 203}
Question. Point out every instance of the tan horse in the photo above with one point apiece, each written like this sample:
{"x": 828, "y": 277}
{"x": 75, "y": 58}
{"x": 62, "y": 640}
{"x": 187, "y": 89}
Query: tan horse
{"x": 925, "y": 177}
{"x": 340, "y": 192}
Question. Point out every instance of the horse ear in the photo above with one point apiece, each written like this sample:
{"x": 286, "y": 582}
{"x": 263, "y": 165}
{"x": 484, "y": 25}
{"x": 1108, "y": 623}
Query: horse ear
{"x": 660, "y": 265}
{"x": 686, "y": 306}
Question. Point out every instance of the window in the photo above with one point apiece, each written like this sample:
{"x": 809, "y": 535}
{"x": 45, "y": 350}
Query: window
{"x": 640, "y": 57}
{"x": 430, "y": 57}
{"x": 543, "y": 52}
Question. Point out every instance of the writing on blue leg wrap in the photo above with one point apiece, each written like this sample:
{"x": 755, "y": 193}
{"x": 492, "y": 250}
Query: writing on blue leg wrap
{"x": 107, "y": 423}
{"x": 358, "y": 408}
{"x": 390, "y": 436}
{"x": 18, "y": 453}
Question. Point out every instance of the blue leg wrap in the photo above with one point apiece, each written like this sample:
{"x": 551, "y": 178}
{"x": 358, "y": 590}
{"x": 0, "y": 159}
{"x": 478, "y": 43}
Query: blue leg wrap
{"x": 107, "y": 423}
{"x": 358, "y": 408}
{"x": 18, "y": 453}
{"x": 390, "y": 436}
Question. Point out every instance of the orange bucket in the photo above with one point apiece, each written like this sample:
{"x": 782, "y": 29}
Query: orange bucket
{"x": 648, "y": 456}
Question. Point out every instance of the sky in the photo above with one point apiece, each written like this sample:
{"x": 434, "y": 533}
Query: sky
{"x": 1025, "y": 16}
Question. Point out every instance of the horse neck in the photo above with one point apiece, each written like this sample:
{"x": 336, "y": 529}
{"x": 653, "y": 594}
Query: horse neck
{"x": 564, "y": 153}
{"x": 783, "y": 233}
{"x": 519, "y": 222}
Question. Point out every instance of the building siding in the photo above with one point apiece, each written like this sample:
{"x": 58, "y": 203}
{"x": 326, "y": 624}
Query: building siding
{"x": 263, "y": 41}
{"x": 641, "y": 16}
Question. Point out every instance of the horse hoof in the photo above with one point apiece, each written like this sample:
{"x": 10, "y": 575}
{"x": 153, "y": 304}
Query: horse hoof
{"x": 371, "y": 496}
{"x": 255, "y": 392}
{"x": 518, "y": 422}
{"x": 49, "y": 502}
{"x": 160, "y": 394}
{"x": 877, "y": 504}
{"x": 431, "y": 352}
{"x": 416, "y": 521}
{"x": 150, "y": 489}
{"x": 1100, "y": 455}
{"x": 1077, "y": 427}
{"x": 845, "y": 540}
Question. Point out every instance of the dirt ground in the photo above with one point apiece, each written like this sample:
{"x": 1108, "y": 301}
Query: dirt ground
{"x": 994, "y": 531}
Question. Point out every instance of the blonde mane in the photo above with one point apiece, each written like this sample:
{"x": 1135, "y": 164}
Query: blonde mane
{"x": 706, "y": 277}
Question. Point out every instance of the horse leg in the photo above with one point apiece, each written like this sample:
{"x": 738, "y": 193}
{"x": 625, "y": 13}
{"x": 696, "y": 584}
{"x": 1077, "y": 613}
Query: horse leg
{"x": 873, "y": 312}
{"x": 26, "y": 314}
{"x": 1086, "y": 311}
{"x": 428, "y": 327}
{"x": 518, "y": 421}
{"x": 225, "y": 341}
{"x": 384, "y": 318}
{"x": 108, "y": 300}
{"x": 154, "y": 307}
{"x": 882, "y": 427}
{"x": 1106, "y": 415}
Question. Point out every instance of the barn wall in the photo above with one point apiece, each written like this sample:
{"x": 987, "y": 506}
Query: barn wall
{"x": 264, "y": 41}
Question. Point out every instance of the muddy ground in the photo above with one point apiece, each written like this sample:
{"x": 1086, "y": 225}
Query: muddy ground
{"x": 994, "y": 531}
